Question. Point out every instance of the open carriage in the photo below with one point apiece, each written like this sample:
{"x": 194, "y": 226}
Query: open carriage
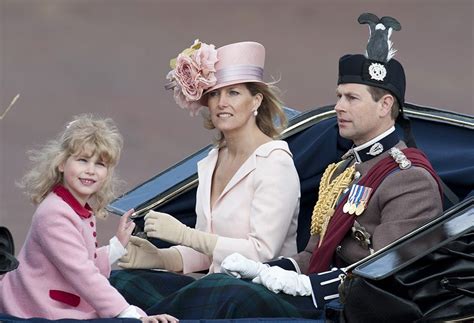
{"x": 446, "y": 137}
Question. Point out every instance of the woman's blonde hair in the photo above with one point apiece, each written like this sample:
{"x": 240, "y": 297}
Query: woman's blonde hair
{"x": 83, "y": 132}
{"x": 269, "y": 111}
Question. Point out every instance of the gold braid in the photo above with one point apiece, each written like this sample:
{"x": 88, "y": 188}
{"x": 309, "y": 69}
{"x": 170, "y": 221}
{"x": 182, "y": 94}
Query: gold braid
{"x": 329, "y": 192}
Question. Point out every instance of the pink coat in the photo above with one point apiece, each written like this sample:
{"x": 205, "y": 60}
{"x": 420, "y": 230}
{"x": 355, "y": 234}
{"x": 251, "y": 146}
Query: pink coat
{"x": 257, "y": 213}
{"x": 61, "y": 273}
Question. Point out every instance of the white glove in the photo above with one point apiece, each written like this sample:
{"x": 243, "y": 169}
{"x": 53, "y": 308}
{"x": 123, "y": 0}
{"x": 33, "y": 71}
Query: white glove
{"x": 289, "y": 282}
{"x": 238, "y": 266}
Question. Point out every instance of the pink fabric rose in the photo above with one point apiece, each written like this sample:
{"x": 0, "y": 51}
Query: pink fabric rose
{"x": 193, "y": 74}
{"x": 206, "y": 58}
{"x": 187, "y": 76}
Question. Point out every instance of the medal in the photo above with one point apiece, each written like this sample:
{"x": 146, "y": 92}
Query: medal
{"x": 363, "y": 200}
{"x": 346, "y": 206}
{"x": 352, "y": 208}
{"x": 350, "y": 200}
{"x": 360, "y": 208}
{"x": 361, "y": 235}
{"x": 356, "y": 198}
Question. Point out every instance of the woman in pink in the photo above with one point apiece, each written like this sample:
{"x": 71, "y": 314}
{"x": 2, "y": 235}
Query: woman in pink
{"x": 248, "y": 195}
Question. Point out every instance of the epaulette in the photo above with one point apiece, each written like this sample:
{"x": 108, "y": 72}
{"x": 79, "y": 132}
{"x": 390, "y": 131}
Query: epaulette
{"x": 400, "y": 158}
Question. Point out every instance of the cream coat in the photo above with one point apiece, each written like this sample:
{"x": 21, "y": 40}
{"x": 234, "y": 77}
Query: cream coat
{"x": 257, "y": 213}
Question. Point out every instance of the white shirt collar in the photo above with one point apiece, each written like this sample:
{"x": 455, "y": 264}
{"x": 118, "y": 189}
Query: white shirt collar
{"x": 373, "y": 141}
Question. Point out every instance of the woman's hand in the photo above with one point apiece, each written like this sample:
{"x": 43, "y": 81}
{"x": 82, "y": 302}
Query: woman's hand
{"x": 164, "y": 226}
{"x": 125, "y": 228}
{"x": 165, "y": 318}
{"x": 142, "y": 254}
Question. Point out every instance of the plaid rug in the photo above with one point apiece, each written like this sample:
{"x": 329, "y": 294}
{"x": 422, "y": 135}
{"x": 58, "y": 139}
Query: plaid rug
{"x": 219, "y": 296}
{"x": 145, "y": 288}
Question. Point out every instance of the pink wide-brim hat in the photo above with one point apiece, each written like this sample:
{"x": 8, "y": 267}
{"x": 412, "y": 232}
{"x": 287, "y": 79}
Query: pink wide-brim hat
{"x": 239, "y": 63}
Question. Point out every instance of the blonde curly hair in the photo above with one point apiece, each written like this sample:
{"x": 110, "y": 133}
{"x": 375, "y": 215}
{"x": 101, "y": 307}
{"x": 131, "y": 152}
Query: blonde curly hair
{"x": 83, "y": 132}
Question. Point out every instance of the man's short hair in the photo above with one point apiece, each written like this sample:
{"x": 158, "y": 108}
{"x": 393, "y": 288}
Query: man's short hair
{"x": 377, "y": 93}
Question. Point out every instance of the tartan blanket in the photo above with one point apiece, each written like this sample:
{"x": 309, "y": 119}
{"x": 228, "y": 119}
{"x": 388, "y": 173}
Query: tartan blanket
{"x": 145, "y": 288}
{"x": 219, "y": 296}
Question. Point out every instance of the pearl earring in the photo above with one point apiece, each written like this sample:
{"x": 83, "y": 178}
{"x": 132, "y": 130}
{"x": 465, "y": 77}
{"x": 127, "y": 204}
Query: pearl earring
{"x": 255, "y": 112}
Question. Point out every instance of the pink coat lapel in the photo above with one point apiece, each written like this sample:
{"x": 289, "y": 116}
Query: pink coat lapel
{"x": 208, "y": 165}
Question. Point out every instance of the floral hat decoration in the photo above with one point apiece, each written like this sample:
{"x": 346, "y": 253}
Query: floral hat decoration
{"x": 193, "y": 72}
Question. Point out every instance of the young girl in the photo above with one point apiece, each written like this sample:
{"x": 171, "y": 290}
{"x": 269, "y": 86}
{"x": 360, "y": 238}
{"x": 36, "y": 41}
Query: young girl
{"x": 62, "y": 273}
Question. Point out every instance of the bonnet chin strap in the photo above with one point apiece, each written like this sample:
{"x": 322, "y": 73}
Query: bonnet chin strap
{"x": 405, "y": 123}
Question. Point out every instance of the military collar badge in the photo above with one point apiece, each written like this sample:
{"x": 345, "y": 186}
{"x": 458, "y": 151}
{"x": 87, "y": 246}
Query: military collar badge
{"x": 375, "y": 149}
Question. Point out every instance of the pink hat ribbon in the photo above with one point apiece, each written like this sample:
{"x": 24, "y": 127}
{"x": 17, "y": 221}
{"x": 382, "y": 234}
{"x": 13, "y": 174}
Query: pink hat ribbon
{"x": 242, "y": 72}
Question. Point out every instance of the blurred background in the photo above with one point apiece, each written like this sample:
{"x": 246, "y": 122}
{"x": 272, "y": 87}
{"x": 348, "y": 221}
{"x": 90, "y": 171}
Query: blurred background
{"x": 110, "y": 57}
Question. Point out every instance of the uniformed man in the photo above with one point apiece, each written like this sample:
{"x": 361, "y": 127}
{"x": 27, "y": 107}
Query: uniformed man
{"x": 379, "y": 192}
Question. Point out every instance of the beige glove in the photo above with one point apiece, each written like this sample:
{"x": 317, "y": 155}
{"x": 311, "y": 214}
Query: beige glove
{"x": 164, "y": 226}
{"x": 143, "y": 254}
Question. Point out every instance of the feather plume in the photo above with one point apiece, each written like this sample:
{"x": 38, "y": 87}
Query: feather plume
{"x": 379, "y": 47}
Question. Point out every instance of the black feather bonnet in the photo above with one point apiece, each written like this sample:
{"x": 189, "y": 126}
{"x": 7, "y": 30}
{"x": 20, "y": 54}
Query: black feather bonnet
{"x": 377, "y": 67}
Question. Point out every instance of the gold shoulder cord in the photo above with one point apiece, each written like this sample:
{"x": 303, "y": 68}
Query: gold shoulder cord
{"x": 329, "y": 192}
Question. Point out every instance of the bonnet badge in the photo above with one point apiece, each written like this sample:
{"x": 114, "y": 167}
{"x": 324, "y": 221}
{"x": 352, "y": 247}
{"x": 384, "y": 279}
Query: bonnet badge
{"x": 377, "y": 71}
